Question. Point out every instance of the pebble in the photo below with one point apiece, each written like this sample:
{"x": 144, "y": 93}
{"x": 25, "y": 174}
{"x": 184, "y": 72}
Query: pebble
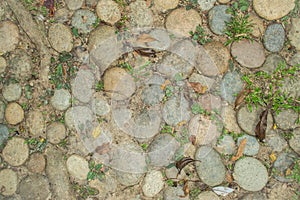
{"x": 56, "y": 132}
{"x": 3, "y": 135}
{"x": 82, "y": 86}
{"x": 36, "y": 163}
{"x": 8, "y": 182}
{"x": 282, "y": 163}
{"x": 100, "y": 35}
{"x": 252, "y": 146}
{"x": 16, "y": 151}
{"x": 226, "y": 145}
{"x": 2, "y": 110}
{"x": 118, "y": 83}
{"x": 14, "y": 114}
{"x": 9, "y": 36}
{"x": 206, "y": 4}
{"x": 295, "y": 141}
{"x": 34, "y": 186}
{"x": 12, "y": 92}
{"x": 293, "y": 34}
{"x": 174, "y": 193}
{"x": 74, "y": 4}
{"x": 208, "y": 195}
{"x": 62, "y": 15}
{"x": 217, "y": 18}
{"x": 250, "y": 174}
{"x": 272, "y": 62}
{"x": 61, "y": 100}
{"x": 274, "y": 37}
{"x": 249, "y": 54}
{"x": 152, "y": 94}
{"x": 275, "y": 141}
{"x": 258, "y": 25}
{"x": 163, "y": 6}
{"x": 60, "y": 37}
{"x": 211, "y": 169}
{"x": 3, "y": 64}
{"x": 101, "y": 106}
{"x": 140, "y": 15}
{"x": 21, "y": 64}
{"x": 273, "y": 9}
{"x": 231, "y": 85}
{"x": 181, "y": 21}
{"x": 84, "y": 20}
{"x": 162, "y": 149}
{"x": 78, "y": 167}
{"x": 153, "y": 183}
{"x": 286, "y": 119}
{"x": 108, "y": 11}
{"x": 229, "y": 119}
{"x": 35, "y": 122}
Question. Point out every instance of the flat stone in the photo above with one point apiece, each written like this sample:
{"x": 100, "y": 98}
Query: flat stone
{"x": 140, "y": 15}
{"x": 249, "y": 54}
{"x": 108, "y": 11}
{"x": 9, "y": 36}
{"x": 286, "y": 119}
{"x": 107, "y": 185}
{"x": 258, "y": 25}
{"x": 163, "y": 6}
{"x": 255, "y": 195}
{"x": 250, "y": 174}
{"x": 203, "y": 80}
{"x": 12, "y": 92}
{"x": 210, "y": 170}
{"x": 229, "y": 119}
{"x": 21, "y": 64}
{"x": 61, "y": 100}
{"x": 206, "y": 4}
{"x": 291, "y": 86}
{"x": 275, "y": 141}
{"x": 78, "y": 167}
{"x": 34, "y": 186}
{"x": 99, "y": 35}
{"x": 181, "y": 21}
{"x": 3, "y": 64}
{"x": 16, "y": 151}
{"x": 295, "y": 59}
{"x": 293, "y": 34}
{"x": 77, "y": 115}
{"x": 174, "y": 193}
{"x": 272, "y": 62}
{"x": 2, "y": 110}
{"x": 152, "y": 94}
{"x": 35, "y": 122}
{"x": 274, "y": 37}
{"x": 74, "y": 4}
{"x": 14, "y": 114}
{"x": 252, "y": 146}
{"x": 281, "y": 191}
{"x": 82, "y": 86}
{"x": 36, "y": 163}
{"x": 161, "y": 37}
{"x": 60, "y": 37}
{"x": 62, "y": 15}
{"x": 231, "y": 85}
{"x": 8, "y": 182}
{"x": 210, "y": 102}
{"x": 100, "y": 103}
{"x": 162, "y": 149}
{"x": 283, "y": 162}
{"x": 208, "y": 195}
{"x": 56, "y": 132}
{"x": 226, "y": 145}
{"x": 217, "y": 18}
{"x": 83, "y": 20}
{"x": 153, "y": 183}
{"x": 224, "y": 1}
{"x": 3, "y": 134}
{"x": 295, "y": 141}
{"x": 273, "y": 9}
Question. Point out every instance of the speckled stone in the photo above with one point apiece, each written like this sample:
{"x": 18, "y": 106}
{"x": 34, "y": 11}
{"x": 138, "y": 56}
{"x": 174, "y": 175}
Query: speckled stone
{"x": 35, "y": 122}
{"x": 274, "y": 37}
{"x": 206, "y": 4}
{"x": 61, "y": 99}
{"x": 3, "y": 64}
{"x": 101, "y": 104}
{"x": 8, "y": 182}
{"x": 229, "y": 119}
{"x": 2, "y": 110}
{"x": 12, "y": 92}
{"x": 208, "y": 195}
{"x": 153, "y": 183}
{"x": 230, "y": 86}
{"x": 3, "y": 135}
{"x": 78, "y": 167}
{"x": 140, "y": 15}
{"x": 14, "y": 113}
{"x": 163, "y": 5}
{"x": 56, "y": 131}
{"x": 252, "y": 146}
{"x": 108, "y": 11}
{"x": 258, "y": 25}
{"x": 294, "y": 33}
{"x": 9, "y": 36}
{"x": 226, "y": 145}
{"x": 272, "y": 62}
{"x": 16, "y": 151}
{"x": 74, "y": 4}
{"x": 36, "y": 163}
{"x": 83, "y": 20}
{"x": 276, "y": 141}
{"x": 217, "y": 18}
{"x": 286, "y": 119}
{"x": 282, "y": 163}
{"x": 174, "y": 193}
{"x": 60, "y": 37}
{"x": 21, "y": 64}
{"x": 295, "y": 141}
{"x": 82, "y": 86}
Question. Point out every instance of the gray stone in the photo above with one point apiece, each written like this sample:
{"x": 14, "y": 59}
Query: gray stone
{"x": 36, "y": 163}
{"x": 107, "y": 185}
{"x": 255, "y": 195}
{"x": 163, "y": 5}
{"x": 78, "y": 167}
{"x": 286, "y": 119}
{"x": 61, "y": 100}
{"x": 82, "y": 86}
{"x": 74, "y": 4}
{"x": 2, "y": 110}
{"x": 282, "y": 163}
{"x": 101, "y": 106}
{"x": 229, "y": 119}
{"x": 12, "y": 92}
{"x": 230, "y": 86}
{"x": 217, "y": 18}
{"x": 274, "y": 37}
{"x": 56, "y": 132}
{"x": 210, "y": 102}
{"x": 100, "y": 35}
{"x": 62, "y": 15}
{"x": 206, "y": 4}
{"x": 140, "y": 15}
{"x": 153, "y": 183}
{"x": 275, "y": 141}
{"x": 291, "y": 86}
{"x": 34, "y": 186}
{"x": 108, "y": 11}
{"x": 3, "y": 64}
{"x": 203, "y": 80}
{"x": 161, "y": 38}
{"x": 3, "y": 135}
{"x": 208, "y": 195}
{"x": 226, "y": 145}
{"x": 250, "y": 174}
{"x": 78, "y": 115}
{"x": 16, "y": 151}
{"x": 152, "y": 94}
{"x": 8, "y": 182}
{"x": 14, "y": 113}
{"x": 252, "y": 146}
{"x": 272, "y": 62}
{"x": 35, "y": 122}
{"x": 174, "y": 193}
{"x": 258, "y": 25}
{"x": 9, "y": 36}
{"x": 295, "y": 60}
{"x": 295, "y": 141}
{"x": 83, "y": 20}
{"x": 162, "y": 149}
{"x": 21, "y": 64}
{"x": 60, "y": 37}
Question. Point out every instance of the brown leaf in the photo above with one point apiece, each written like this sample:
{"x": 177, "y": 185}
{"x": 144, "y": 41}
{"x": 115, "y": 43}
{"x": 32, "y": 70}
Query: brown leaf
{"x": 145, "y": 38}
{"x": 145, "y": 51}
{"x": 186, "y": 189}
{"x": 240, "y": 98}
{"x": 198, "y": 88}
{"x": 103, "y": 149}
{"x": 261, "y": 127}
{"x": 229, "y": 177}
{"x": 180, "y": 164}
{"x": 193, "y": 139}
{"x": 240, "y": 150}
{"x": 165, "y": 84}
{"x": 50, "y": 5}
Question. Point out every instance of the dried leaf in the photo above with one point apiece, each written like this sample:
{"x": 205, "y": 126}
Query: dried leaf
{"x": 240, "y": 150}
{"x": 145, "y": 51}
{"x": 240, "y": 97}
{"x": 229, "y": 177}
{"x": 50, "y": 5}
{"x": 186, "y": 189}
{"x": 180, "y": 164}
{"x": 103, "y": 149}
{"x": 145, "y": 38}
{"x": 193, "y": 139}
{"x": 273, "y": 157}
{"x": 223, "y": 191}
{"x": 96, "y": 132}
{"x": 198, "y": 88}
{"x": 261, "y": 127}
{"x": 165, "y": 84}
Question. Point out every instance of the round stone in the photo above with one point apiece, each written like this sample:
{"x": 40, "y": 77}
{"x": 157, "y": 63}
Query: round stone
{"x": 217, "y": 18}
{"x": 82, "y": 86}
{"x": 3, "y": 64}
{"x": 286, "y": 119}
{"x": 78, "y": 167}
{"x": 252, "y": 146}
{"x": 9, "y": 36}
{"x": 60, "y": 37}
{"x": 294, "y": 33}
{"x": 295, "y": 141}
{"x": 84, "y": 20}
{"x": 208, "y": 195}
{"x": 152, "y": 95}
{"x": 229, "y": 119}
{"x": 206, "y": 4}
{"x": 226, "y": 145}
{"x": 3, "y": 135}
{"x": 175, "y": 193}
{"x": 276, "y": 141}
{"x": 36, "y": 163}
{"x": 101, "y": 106}
{"x": 16, "y": 151}
{"x": 12, "y": 92}
{"x": 258, "y": 25}
{"x": 273, "y": 9}
{"x": 274, "y": 37}
{"x": 76, "y": 115}
{"x": 61, "y": 100}
{"x": 210, "y": 169}
{"x": 14, "y": 113}
{"x": 272, "y": 62}
{"x": 283, "y": 162}
{"x": 62, "y": 15}
{"x": 163, "y": 6}
{"x": 182, "y": 21}
{"x": 56, "y": 132}
{"x": 8, "y": 182}
{"x": 21, "y": 64}
{"x": 153, "y": 183}
{"x": 230, "y": 86}
{"x": 140, "y": 15}
{"x": 118, "y": 83}
{"x": 100, "y": 35}
{"x": 295, "y": 59}
{"x": 248, "y": 53}
{"x": 35, "y": 122}
{"x": 108, "y": 11}
{"x": 74, "y": 4}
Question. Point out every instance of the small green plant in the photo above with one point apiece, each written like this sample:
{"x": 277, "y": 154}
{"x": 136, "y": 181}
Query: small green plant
{"x": 191, "y": 4}
{"x": 170, "y": 182}
{"x": 96, "y": 23}
{"x": 144, "y": 146}
{"x": 99, "y": 86}
{"x": 200, "y": 36}
{"x": 137, "y": 72}
{"x": 197, "y": 109}
{"x": 97, "y": 171}
{"x": 293, "y": 14}
{"x": 84, "y": 191}
{"x": 295, "y": 173}
{"x": 36, "y": 145}
{"x": 75, "y": 32}
{"x": 63, "y": 143}
{"x": 239, "y": 27}
{"x": 167, "y": 129}
{"x": 194, "y": 193}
